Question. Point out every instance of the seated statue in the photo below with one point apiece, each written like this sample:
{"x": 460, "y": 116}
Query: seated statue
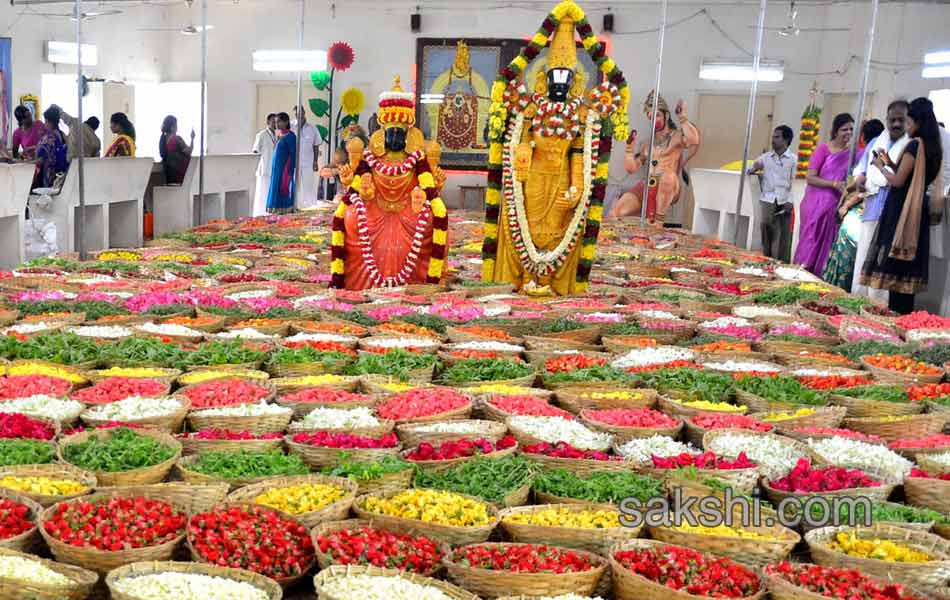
{"x": 390, "y": 227}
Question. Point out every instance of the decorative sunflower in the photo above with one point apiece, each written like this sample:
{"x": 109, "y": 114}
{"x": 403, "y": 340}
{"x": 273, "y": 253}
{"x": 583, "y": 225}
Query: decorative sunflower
{"x": 352, "y": 101}
{"x": 340, "y": 56}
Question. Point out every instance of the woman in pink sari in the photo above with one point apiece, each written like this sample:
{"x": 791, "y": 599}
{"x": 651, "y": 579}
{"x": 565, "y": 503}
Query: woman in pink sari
{"x": 827, "y": 177}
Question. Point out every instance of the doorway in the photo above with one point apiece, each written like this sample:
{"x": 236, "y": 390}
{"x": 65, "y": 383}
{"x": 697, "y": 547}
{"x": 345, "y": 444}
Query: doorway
{"x": 721, "y": 121}
{"x": 273, "y": 97}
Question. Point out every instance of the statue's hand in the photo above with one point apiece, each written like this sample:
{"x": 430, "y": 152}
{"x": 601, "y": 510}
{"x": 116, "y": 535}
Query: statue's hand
{"x": 681, "y": 111}
{"x": 326, "y": 173}
{"x": 367, "y": 187}
{"x": 418, "y": 199}
{"x": 346, "y": 174}
{"x": 522, "y": 161}
{"x": 569, "y": 200}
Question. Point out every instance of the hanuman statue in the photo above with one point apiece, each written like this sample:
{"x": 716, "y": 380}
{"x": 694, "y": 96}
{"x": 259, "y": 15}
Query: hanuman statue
{"x": 548, "y": 160}
{"x": 390, "y": 227}
{"x": 674, "y": 144}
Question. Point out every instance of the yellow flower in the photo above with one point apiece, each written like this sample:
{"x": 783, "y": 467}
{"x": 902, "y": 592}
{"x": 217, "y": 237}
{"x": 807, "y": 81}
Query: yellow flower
{"x": 352, "y": 101}
{"x": 337, "y": 239}
{"x": 587, "y": 251}
{"x": 196, "y": 377}
{"x": 340, "y": 210}
{"x": 565, "y": 517}
{"x": 724, "y": 531}
{"x": 612, "y": 395}
{"x": 355, "y": 184}
{"x": 540, "y": 39}
{"x": 397, "y": 387}
{"x": 589, "y": 42}
{"x": 501, "y": 389}
{"x": 784, "y": 416}
{"x": 439, "y": 236}
{"x": 336, "y": 266}
{"x": 520, "y": 63}
{"x": 488, "y": 269}
{"x": 494, "y": 153}
{"x": 877, "y": 549}
{"x": 30, "y": 368}
{"x": 426, "y": 181}
{"x": 581, "y": 287}
{"x": 493, "y": 196}
{"x": 608, "y": 66}
{"x": 497, "y": 91}
{"x": 308, "y": 380}
{"x": 713, "y": 406}
{"x": 135, "y": 372}
{"x": 601, "y": 172}
{"x": 491, "y": 231}
{"x": 435, "y": 267}
{"x": 432, "y": 506}
{"x": 119, "y": 255}
{"x": 44, "y": 486}
{"x": 596, "y": 213}
{"x": 300, "y": 499}
{"x": 438, "y": 208}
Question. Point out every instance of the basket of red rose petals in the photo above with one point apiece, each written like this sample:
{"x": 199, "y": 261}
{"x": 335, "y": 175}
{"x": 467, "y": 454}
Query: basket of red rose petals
{"x": 653, "y": 570}
{"x": 698, "y": 425}
{"x": 804, "y": 581}
{"x": 929, "y": 490}
{"x": 18, "y": 521}
{"x": 366, "y": 542}
{"x": 740, "y": 472}
{"x": 491, "y": 570}
{"x": 322, "y": 448}
{"x": 806, "y": 480}
{"x": 92, "y": 531}
{"x": 413, "y": 434}
{"x": 221, "y": 440}
{"x": 895, "y": 427}
{"x": 438, "y": 458}
{"x": 580, "y": 462}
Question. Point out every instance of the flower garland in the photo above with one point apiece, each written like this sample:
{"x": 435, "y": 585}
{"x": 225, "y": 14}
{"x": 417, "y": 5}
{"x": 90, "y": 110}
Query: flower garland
{"x": 551, "y": 118}
{"x": 807, "y": 139}
{"x": 617, "y": 125}
{"x": 434, "y": 207}
{"x": 545, "y": 263}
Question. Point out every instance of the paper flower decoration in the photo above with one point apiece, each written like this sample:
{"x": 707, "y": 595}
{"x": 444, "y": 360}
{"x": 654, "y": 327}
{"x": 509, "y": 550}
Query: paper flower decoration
{"x": 340, "y": 56}
{"x": 352, "y": 101}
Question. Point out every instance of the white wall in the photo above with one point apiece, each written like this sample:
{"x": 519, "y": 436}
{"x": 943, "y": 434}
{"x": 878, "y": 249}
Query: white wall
{"x": 124, "y": 53}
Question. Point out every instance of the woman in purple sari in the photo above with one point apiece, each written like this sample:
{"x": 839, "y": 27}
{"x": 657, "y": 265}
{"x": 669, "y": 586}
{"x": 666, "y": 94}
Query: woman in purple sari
{"x": 827, "y": 178}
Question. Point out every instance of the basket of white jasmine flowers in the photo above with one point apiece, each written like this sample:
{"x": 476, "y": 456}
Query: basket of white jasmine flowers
{"x": 775, "y": 455}
{"x": 170, "y": 330}
{"x": 381, "y": 343}
{"x": 413, "y": 434}
{"x": 641, "y": 451}
{"x": 166, "y": 413}
{"x": 855, "y": 454}
{"x": 102, "y": 332}
{"x": 28, "y": 576}
{"x": 189, "y": 581}
{"x": 41, "y": 406}
{"x": 353, "y": 582}
{"x": 530, "y": 430}
{"x": 255, "y": 418}
{"x": 361, "y": 421}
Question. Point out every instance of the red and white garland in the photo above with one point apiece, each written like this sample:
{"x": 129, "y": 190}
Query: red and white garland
{"x": 366, "y": 247}
{"x": 545, "y": 263}
{"x": 557, "y": 119}
{"x": 390, "y": 169}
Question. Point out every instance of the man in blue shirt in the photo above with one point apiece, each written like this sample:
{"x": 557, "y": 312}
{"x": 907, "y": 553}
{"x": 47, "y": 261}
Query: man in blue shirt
{"x": 870, "y": 179}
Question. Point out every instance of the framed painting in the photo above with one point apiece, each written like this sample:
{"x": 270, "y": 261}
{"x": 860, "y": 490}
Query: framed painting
{"x": 453, "y": 92}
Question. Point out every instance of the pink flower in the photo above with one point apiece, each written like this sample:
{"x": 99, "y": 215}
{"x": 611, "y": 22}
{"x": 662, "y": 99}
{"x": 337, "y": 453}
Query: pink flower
{"x": 209, "y": 299}
{"x": 262, "y": 305}
{"x": 143, "y": 302}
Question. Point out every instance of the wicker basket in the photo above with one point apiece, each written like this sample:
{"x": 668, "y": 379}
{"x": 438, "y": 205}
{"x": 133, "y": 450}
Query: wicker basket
{"x": 669, "y": 403}
{"x": 190, "y": 476}
{"x": 193, "y": 498}
{"x": 546, "y": 344}
{"x": 411, "y": 434}
{"x": 332, "y": 367}
{"x": 448, "y": 534}
{"x": 170, "y": 423}
{"x": 526, "y": 439}
{"x": 579, "y": 466}
{"x": 145, "y": 475}
{"x": 932, "y": 574}
{"x": 573, "y": 399}
{"x": 457, "y": 336}
{"x": 759, "y": 404}
{"x": 824, "y": 416}
{"x": 862, "y": 407}
{"x": 334, "y": 511}
{"x": 625, "y": 434}
{"x": 922, "y": 425}
{"x": 325, "y": 575}
{"x": 898, "y": 378}
{"x": 385, "y": 426}
{"x": 317, "y": 457}
{"x": 438, "y": 466}
{"x": 284, "y": 582}
{"x": 875, "y": 494}
{"x": 590, "y": 540}
{"x": 257, "y": 425}
{"x": 302, "y": 409}
{"x": 928, "y": 464}
{"x": 53, "y": 471}
{"x": 457, "y": 414}
{"x": 694, "y": 433}
{"x": 489, "y": 583}
{"x": 929, "y": 493}
{"x": 801, "y": 448}
{"x": 744, "y": 481}
{"x": 29, "y": 540}
{"x": 754, "y": 552}
{"x": 102, "y": 561}
{"x": 190, "y": 445}
{"x": 628, "y": 585}
{"x": 266, "y": 585}
{"x": 329, "y": 528}
{"x": 388, "y": 483}
{"x": 79, "y": 587}
{"x": 166, "y": 376}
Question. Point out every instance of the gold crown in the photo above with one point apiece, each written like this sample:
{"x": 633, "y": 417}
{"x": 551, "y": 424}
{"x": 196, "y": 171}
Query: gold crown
{"x": 648, "y": 104}
{"x": 397, "y": 107}
{"x": 562, "y": 53}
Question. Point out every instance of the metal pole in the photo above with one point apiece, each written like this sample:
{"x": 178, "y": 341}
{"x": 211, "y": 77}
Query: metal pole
{"x": 759, "y": 33}
{"x": 300, "y": 108}
{"x": 81, "y": 223}
{"x": 204, "y": 86}
{"x": 864, "y": 86}
{"x": 656, "y": 106}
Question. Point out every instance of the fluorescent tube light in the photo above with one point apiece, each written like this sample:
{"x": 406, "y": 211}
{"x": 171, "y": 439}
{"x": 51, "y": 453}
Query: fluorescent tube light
{"x": 65, "y": 53}
{"x": 290, "y": 60}
{"x": 720, "y": 70}
{"x": 936, "y": 72}
{"x": 941, "y": 57}
{"x": 431, "y": 98}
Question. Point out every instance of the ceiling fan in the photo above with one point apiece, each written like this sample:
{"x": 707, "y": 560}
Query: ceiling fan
{"x": 85, "y": 16}
{"x": 792, "y": 29}
{"x": 186, "y": 30}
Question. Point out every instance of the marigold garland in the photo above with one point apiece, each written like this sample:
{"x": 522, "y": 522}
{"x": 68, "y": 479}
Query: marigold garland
{"x": 807, "y": 139}
{"x": 613, "y": 126}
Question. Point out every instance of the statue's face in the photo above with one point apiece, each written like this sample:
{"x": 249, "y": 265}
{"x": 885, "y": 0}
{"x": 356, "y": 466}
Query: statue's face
{"x": 396, "y": 139}
{"x": 559, "y": 84}
{"x": 661, "y": 118}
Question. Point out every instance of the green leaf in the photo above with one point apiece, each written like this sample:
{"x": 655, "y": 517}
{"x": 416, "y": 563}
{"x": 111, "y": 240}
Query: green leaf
{"x": 320, "y": 79}
{"x": 323, "y": 131}
{"x": 348, "y": 120}
{"x": 319, "y": 107}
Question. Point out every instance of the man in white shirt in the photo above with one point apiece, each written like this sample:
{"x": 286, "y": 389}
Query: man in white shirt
{"x": 776, "y": 170}
{"x": 309, "y": 156}
{"x": 264, "y": 145}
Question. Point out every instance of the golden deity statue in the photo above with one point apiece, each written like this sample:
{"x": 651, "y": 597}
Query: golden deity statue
{"x": 552, "y": 149}
{"x": 390, "y": 227}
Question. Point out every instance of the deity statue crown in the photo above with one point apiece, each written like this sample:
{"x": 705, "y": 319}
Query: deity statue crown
{"x": 648, "y": 104}
{"x": 397, "y": 107}
{"x": 562, "y": 53}
{"x": 461, "y": 66}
